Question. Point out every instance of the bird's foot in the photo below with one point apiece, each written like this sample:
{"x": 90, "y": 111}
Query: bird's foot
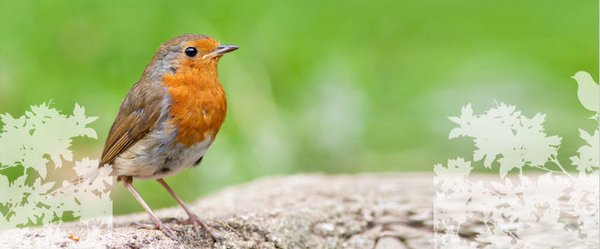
{"x": 213, "y": 224}
{"x": 168, "y": 231}
{"x": 152, "y": 226}
{"x": 189, "y": 222}
{"x": 197, "y": 222}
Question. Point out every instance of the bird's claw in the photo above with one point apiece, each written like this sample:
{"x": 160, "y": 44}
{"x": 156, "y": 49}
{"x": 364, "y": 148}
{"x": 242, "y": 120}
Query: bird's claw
{"x": 144, "y": 225}
{"x": 154, "y": 226}
{"x": 168, "y": 231}
{"x": 197, "y": 222}
{"x": 213, "y": 224}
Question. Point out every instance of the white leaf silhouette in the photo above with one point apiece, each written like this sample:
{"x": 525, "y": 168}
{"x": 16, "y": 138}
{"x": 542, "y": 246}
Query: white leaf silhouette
{"x": 527, "y": 211}
{"x": 27, "y": 141}
{"x": 587, "y": 160}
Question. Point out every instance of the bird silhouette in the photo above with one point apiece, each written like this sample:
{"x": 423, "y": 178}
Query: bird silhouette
{"x": 587, "y": 91}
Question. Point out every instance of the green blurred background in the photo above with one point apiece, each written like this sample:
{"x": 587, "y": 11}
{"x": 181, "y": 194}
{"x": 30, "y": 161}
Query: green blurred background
{"x": 335, "y": 86}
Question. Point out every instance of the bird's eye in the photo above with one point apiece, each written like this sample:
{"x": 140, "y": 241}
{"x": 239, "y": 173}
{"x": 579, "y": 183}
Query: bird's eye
{"x": 191, "y": 51}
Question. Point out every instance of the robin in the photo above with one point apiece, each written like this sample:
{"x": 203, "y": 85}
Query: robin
{"x": 169, "y": 119}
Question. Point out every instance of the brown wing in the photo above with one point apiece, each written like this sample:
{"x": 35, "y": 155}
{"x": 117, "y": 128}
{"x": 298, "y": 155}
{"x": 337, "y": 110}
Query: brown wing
{"x": 139, "y": 112}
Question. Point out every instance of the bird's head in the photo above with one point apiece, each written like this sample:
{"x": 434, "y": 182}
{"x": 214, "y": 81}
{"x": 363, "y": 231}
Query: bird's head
{"x": 581, "y": 75}
{"x": 191, "y": 51}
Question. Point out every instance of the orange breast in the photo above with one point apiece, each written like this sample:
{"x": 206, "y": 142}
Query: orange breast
{"x": 198, "y": 104}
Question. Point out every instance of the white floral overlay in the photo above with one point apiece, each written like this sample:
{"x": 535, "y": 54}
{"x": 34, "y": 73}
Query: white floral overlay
{"x": 557, "y": 208}
{"x": 34, "y": 147}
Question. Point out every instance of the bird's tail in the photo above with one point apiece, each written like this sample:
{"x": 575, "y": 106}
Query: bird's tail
{"x": 69, "y": 187}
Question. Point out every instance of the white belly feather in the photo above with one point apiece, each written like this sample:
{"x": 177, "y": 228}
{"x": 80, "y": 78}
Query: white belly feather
{"x": 155, "y": 156}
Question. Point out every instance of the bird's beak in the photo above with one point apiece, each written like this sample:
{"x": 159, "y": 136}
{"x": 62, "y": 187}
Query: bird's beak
{"x": 221, "y": 50}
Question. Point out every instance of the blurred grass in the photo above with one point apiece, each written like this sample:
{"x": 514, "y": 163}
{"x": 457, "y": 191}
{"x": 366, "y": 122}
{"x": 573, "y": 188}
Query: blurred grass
{"x": 335, "y": 86}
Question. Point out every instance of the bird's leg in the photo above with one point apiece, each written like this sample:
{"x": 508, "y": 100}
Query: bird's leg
{"x": 193, "y": 218}
{"x": 159, "y": 224}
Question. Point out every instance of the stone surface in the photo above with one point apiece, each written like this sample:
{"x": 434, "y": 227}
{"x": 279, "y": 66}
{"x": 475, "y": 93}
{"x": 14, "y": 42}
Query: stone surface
{"x": 388, "y": 210}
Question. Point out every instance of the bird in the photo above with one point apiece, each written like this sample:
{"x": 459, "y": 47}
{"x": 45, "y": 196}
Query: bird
{"x": 169, "y": 119}
{"x": 587, "y": 91}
